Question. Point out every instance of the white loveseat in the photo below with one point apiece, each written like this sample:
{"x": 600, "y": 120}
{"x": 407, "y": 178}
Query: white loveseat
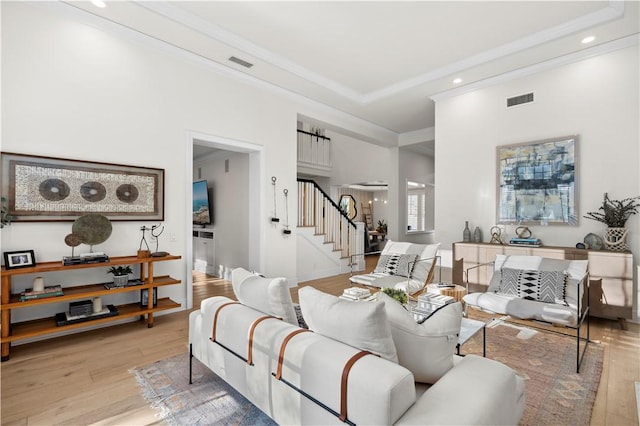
{"x": 306, "y": 386}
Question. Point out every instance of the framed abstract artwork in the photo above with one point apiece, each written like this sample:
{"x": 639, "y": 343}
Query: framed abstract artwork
{"x": 537, "y": 182}
{"x": 41, "y": 189}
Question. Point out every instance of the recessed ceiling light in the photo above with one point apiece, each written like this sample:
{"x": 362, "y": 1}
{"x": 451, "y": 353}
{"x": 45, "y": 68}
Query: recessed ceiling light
{"x": 457, "y": 80}
{"x": 99, "y": 3}
{"x": 588, "y": 39}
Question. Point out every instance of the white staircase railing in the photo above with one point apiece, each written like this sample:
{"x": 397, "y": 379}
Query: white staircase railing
{"x": 316, "y": 209}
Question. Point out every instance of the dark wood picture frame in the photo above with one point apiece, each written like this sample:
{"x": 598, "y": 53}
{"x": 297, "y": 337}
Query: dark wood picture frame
{"x": 19, "y": 259}
{"x": 144, "y": 297}
{"x": 43, "y": 189}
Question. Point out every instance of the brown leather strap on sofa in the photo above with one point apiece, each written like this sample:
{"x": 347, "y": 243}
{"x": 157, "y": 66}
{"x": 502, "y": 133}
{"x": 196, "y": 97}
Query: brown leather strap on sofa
{"x": 215, "y": 318}
{"x": 345, "y": 379}
{"x": 283, "y": 346}
{"x": 251, "y": 332}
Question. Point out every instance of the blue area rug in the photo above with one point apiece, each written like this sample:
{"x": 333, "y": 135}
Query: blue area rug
{"x": 209, "y": 400}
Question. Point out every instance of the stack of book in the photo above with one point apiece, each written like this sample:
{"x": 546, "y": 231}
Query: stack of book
{"x": 49, "y": 291}
{"x": 428, "y": 303}
{"x": 355, "y": 294}
{"x": 530, "y": 242}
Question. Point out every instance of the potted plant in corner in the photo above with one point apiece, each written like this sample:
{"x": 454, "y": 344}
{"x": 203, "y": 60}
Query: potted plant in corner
{"x": 382, "y": 227}
{"x": 120, "y": 275}
{"x": 5, "y": 217}
{"x": 614, "y": 214}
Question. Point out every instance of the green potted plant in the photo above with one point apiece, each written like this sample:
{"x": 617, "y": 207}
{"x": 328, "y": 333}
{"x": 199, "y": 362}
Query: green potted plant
{"x": 614, "y": 214}
{"x": 398, "y": 295}
{"x": 5, "y": 217}
{"x": 120, "y": 274}
{"x": 382, "y": 226}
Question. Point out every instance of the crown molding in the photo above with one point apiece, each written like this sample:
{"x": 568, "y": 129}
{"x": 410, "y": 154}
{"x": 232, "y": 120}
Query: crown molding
{"x": 601, "y": 49}
{"x": 215, "y": 32}
{"x": 614, "y": 10}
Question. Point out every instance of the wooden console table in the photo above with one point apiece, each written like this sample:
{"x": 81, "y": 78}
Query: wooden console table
{"x": 47, "y": 325}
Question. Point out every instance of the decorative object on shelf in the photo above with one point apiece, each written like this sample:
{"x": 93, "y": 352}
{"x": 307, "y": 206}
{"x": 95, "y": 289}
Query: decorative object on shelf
{"x": 496, "y": 235}
{"x": 120, "y": 274}
{"x": 92, "y": 229}
{"x": 5, "y": 217}
{"x": 286, "y": 230}
{"x": 48, "y": 291}
{"x": 19, "y": 259}
{"x": 274, "y": 218}
{"x": 593, "y": 241}
{"x": 537, "y": 182}
{"x": 144, "y": 253}
{"x": 523, "y": 232}
{"x": 524, "y": 238}
{"x": 73, "y": 241}
{"x": 396, "y": 294}
{"x": 97, "y": 304}
{"x": 466, "y": 234}
{"x": 65, "y": 318}
{"x": 57, "y": 189}
{"x": 581, "y": 246}
{"x": 38, "y": 284}
{"x": 614, "y": 214}
{"x": 156, "y": 235}
{"x": 144, "y": 297}
{"x": 477, "y": 235}
{"x": 382, "y": 226}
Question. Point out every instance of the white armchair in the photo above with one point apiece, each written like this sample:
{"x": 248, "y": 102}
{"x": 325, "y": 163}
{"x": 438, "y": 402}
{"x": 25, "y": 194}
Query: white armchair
{"x": 406, "y": 266}
{"x": 554, "y": 291}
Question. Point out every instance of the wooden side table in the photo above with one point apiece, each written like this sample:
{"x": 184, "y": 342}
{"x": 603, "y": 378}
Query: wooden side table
{"x": 457, "y": 291}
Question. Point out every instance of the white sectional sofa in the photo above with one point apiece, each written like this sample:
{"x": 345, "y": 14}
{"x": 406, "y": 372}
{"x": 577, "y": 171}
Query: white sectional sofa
{"x": 306, "y": 387}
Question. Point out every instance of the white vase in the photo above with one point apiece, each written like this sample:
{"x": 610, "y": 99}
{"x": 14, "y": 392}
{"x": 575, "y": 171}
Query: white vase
{"x": 121, "y": 280}
{"x": 616, "y": 239}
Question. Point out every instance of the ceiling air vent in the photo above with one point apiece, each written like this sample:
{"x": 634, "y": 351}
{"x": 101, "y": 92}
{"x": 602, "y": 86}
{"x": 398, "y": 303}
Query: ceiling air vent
{"x": 519, "y": 100}
{"x": 241, "y": 62}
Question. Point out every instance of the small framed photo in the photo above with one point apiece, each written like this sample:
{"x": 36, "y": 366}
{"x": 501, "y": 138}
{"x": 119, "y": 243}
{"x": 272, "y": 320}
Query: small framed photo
{"x": 144, "y": 297}
{"x": 19, "y": 259}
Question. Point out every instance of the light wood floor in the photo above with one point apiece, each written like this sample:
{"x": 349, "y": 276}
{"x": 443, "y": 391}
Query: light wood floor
{"x": 84, "y": 378}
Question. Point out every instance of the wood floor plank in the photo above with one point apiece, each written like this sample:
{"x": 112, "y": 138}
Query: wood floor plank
{"x": 69, "y": 376}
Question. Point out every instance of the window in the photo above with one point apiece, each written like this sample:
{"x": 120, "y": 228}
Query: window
{"x": 419, "y": 207}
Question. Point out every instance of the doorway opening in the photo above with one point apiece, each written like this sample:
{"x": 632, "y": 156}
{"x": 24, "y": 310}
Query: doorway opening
{"x": 254, "y": 241}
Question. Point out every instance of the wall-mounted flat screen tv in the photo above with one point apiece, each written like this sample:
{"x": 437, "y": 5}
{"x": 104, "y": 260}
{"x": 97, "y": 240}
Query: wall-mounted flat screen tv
{"x": 201, "y": 203}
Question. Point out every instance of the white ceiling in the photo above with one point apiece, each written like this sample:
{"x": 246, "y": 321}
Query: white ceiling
{"x": 379, "y": 61}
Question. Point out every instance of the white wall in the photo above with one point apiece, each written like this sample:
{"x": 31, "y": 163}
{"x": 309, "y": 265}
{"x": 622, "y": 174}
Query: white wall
{"x": 596, "y": 98}
{"x": 72, "y": 90}
{"x": 230, "y": 205}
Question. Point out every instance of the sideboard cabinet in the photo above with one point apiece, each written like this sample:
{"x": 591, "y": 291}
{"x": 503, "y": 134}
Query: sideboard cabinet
{"x": 611, "y": 273}
{"x": 39, "y": 327}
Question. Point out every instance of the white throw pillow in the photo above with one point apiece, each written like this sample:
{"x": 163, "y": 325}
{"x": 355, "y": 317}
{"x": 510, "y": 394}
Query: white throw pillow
{"x": 362, "y": 325}
{"x": 424, "y": 349}
{"x": 268, "y": 295}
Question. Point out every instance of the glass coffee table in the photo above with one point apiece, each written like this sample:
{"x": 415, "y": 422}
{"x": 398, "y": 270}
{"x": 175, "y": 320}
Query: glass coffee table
{"x": 468, "y": 329}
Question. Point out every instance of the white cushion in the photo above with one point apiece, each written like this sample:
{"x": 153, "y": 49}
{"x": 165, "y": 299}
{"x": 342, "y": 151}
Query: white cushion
{"x": 575, "y": 269}
{"x": 268, "y": 295}
{"x": 362, "y": 325}
{"x": 424, "y": 349}
{"x": 426, "y": 256}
